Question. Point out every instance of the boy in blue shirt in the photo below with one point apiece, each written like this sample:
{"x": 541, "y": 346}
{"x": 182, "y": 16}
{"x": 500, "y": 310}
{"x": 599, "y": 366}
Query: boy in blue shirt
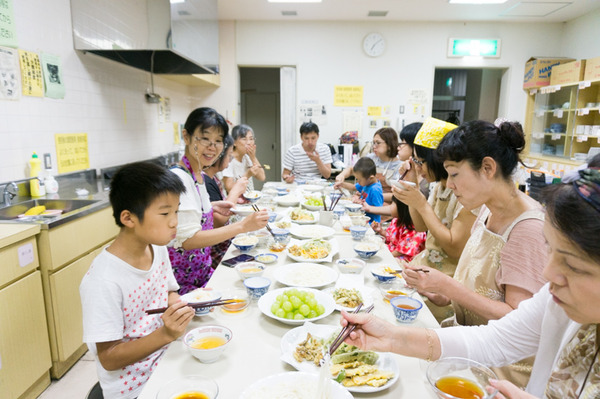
{"x": 368, "y": 187}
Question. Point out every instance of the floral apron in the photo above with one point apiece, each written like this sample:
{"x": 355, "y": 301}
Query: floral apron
{"x": 192, "y": 268}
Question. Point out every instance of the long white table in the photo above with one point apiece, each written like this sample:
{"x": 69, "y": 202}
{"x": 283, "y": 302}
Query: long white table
{"x": 254, "y": 351}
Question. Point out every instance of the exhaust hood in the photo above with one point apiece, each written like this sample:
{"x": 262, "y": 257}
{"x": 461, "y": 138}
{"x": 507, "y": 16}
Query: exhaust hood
{"x": 153, "y": 35}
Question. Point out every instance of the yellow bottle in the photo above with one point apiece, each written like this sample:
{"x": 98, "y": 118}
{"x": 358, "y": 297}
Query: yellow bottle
{"x": 35, "y": 186}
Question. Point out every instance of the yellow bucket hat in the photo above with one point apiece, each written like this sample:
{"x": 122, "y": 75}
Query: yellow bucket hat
{"x": 432, "y": 132}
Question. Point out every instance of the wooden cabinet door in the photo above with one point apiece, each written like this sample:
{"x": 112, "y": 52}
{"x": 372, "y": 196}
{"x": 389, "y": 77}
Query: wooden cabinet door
{"x": 66, "y": 304}
{"x": 24, "y": 345}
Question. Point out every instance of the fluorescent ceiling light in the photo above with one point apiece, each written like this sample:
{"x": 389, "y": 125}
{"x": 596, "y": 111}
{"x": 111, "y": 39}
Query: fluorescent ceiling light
{"x": 294, "y": 1}
{"x": 476, "y": 1}
{"x": 177, "y": 1}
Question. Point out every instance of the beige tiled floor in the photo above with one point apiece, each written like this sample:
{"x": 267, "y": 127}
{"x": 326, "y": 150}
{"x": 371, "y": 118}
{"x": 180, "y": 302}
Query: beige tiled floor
{"x": 76, "y": 383}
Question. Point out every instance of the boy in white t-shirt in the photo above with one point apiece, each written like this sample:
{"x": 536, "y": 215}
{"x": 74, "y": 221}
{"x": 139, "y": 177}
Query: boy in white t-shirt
{"x": 132, "y": 275}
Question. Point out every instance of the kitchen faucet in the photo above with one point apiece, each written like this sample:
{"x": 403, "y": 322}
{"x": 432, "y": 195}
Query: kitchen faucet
{"x": 10, "y": 190}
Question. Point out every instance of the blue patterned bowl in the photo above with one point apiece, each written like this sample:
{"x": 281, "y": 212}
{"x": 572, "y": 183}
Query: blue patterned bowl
{"x": 406, "y": 309}
{"x": 358, "y": 232}
{"x": 366, "y": 249}
{"x": 257, "y": 286}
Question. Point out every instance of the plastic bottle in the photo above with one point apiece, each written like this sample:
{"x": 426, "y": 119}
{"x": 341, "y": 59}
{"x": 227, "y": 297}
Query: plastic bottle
{"x": 36, "y": 186}
{"x": 50, "y": 183}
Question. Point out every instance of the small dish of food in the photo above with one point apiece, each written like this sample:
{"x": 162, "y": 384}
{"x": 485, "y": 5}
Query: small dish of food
{"x": 207, "y": 343}
{"x": 350, "y": 265}
{"x": 266, "y": 258}
{"x": 241, "y": 298}
{"x": 382, "y": 274}
{"x": 252, "y": 196}
{"x": 201, "y": 295}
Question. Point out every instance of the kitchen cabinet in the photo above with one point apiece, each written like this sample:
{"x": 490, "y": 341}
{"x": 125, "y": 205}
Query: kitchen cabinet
{"x": 563, "y": 122}
{"x": 66, "y": 253}
{"x": 24, "y": 347}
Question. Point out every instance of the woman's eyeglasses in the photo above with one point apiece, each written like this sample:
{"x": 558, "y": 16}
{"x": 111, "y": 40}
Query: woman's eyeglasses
{"x": 204, "y": 142}
{"x": 400, "y": 145}
{"x": 376, "y": 143}
{"x": 417, "y": 162}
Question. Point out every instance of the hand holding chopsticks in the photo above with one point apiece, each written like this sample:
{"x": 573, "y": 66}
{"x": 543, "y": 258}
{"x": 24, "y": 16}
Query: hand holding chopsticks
{"x": 197, "y": 305}
{"x": 346, "y": 331}
{"x": 256, "y": 209}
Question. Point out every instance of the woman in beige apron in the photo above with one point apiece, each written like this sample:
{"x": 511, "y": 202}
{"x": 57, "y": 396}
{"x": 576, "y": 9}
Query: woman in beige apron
{"x": 503, "y": 260}
{"x": 447, "y": 223}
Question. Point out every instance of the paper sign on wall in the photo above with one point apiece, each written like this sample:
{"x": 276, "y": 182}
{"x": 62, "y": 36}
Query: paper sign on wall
{"x": 31, "y": 74}
{"x": 72, "y": 152}
{"x": 8, "y": 35}
{"x": 53, "y": 80}
{"x": 176, "y": 133}
{"x": 316, "y": 113}
{"x": 348, "y": 96}
{"x": 374, "y": 111}
{"x": 10, "y": 75}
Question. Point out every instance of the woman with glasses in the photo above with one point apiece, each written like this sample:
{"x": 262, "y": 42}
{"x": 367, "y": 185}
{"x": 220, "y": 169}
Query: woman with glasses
{"x": 244, "y": 162}
{"x": 204, "y": 134}
{"x": 216, "y": 192}
{"x": 559, "y": 324}
{"x": 502, "y": 262}
{"x": 447, "y": 222}
{"x": 385, "y": 156}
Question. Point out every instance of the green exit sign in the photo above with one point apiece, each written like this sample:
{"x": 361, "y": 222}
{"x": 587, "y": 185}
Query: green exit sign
{"x": 474, "y": 47}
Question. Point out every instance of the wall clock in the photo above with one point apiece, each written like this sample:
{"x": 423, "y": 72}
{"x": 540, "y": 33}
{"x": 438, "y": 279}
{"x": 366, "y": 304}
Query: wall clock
{"x": 374, "y": 44}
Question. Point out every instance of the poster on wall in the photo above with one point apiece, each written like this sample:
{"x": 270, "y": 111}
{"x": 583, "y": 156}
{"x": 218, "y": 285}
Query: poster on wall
{"x": 352, "y": 122}
{"x": 71, "y": 152}
{"x": 316, "y": 113}
{"x": 10, "y": 75}
{"x": 176, "y": 133}
{"x": 417, "y": 102}
{"x": 53, "y": 79}
{"x": 31, "y": 74}
{"x": 348, "y": 96}
{"x": 8, "y": 34}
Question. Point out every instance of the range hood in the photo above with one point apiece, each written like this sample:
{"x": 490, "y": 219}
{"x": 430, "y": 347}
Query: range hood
{"x": 153, "y": 35}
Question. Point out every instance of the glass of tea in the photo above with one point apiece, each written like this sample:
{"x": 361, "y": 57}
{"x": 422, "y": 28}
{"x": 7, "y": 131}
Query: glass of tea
{"x": 456, "y": 377}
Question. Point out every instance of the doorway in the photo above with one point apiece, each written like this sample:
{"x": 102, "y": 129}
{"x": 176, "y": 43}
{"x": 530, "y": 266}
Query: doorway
{"x": 260, "y": 109}
{"x": 461, "y": 95}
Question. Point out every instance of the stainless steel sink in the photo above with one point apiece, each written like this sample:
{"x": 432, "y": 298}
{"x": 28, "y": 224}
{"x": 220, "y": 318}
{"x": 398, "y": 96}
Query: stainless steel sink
{"x": 65, "y": 205}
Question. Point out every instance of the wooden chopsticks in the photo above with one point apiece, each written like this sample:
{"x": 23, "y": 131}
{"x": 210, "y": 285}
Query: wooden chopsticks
{"x": 335, "y": 202}
{"x": 346, "y": 331}
{"x": 197, "y": 305}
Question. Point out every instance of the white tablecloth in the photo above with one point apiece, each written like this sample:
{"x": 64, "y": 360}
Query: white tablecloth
{"x": 254, "y": 351}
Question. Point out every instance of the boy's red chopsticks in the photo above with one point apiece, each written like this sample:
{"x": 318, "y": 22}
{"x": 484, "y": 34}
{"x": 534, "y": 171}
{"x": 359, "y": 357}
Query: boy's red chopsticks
{"x": 197, "y": 305}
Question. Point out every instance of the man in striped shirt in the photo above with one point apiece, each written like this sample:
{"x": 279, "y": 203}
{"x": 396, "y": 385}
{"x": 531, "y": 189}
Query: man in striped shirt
{"x": 308, "y": 160}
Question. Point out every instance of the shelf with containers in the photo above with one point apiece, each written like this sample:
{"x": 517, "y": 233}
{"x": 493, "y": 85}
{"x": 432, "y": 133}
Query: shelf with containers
{"x": 563, "y": 122}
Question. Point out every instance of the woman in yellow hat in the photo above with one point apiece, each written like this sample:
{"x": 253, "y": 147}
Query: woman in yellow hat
{"x": 447, "y": 223}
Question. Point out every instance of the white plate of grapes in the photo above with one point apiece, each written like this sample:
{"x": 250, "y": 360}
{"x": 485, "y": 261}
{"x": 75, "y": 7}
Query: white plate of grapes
{"x": 296, "y": 305}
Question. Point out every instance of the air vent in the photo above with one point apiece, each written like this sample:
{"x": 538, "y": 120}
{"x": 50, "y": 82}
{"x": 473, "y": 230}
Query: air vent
{"x": 378, "y": 13}
{"x": 289, "y": 13}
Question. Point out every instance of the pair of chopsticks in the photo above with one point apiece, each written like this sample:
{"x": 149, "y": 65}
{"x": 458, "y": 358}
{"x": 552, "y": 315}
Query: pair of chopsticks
{"x": 346, "y": 331}
{"x": 256, "y": 209}
{"x": 335, "y": 202}
{"x": 399, "y": 272}
{"x": 197, "y": 305}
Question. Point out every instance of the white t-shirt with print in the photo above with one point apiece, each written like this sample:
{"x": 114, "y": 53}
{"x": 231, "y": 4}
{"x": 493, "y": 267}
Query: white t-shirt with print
{"x": 114, "y": 297}
{"x": 237, "y": 169}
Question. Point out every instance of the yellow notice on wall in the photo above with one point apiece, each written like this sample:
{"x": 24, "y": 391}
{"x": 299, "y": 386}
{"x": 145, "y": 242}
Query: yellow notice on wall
{"x": 31, "y": 74}
{"x": 374, "y": 111}
{"x": 176, "y": 133}
{"x": 72, "y": 152}
{"x": 348, "y": 96}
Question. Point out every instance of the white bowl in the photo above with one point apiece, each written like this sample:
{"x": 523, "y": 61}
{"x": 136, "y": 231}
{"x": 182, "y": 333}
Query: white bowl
{"x": 207, "y": 343}
{"x": 366, "y": 249}
{"x": 350, "y": 265}
{"x": 252, "y": 196}
{"x": 352, "y": 207}
{"x": 201, "y": 295}
{"x": 189, "y": 383}
{"x": 266, "y": 258}
{"x": 249, "y": 269}
{"x": 245, "y": 242}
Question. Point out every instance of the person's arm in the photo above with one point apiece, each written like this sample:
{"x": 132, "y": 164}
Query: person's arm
{"x": 256, "y": 169}
{"x": 207, "y": 238}
{"x": 228, "y": 183}
{"x": 115, "y": 355}
{"x": 379, "y": 210}
{"x": 287, "y": 175}
{"x": 346, "y": 185}
{"x": 452, "y": 240}
{"x": 324, "y": 168}
{"x": 342, "y": 176}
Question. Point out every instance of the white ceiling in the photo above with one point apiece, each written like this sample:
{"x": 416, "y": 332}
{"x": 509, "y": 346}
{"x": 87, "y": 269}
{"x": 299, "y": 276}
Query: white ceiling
{"x": 407, "y": 10}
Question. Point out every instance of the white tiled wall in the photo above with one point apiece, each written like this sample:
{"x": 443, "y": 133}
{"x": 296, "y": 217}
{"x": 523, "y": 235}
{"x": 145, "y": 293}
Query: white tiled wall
{"x": 104, "y": 99}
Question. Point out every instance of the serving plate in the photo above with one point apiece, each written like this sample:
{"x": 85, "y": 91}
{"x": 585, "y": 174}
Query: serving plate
{"x": 329, "y": 258}
{"x": 292, "y": 383}
{"x": 307, "y": 275}
{"x": 312, "y": 231}
{"x": 292, "y": 338}
{"x": 365, "y": 292}
{"x": 265, "y": 302}
{"x": 287, "y": 200}
{"x": 314, "y": 220}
